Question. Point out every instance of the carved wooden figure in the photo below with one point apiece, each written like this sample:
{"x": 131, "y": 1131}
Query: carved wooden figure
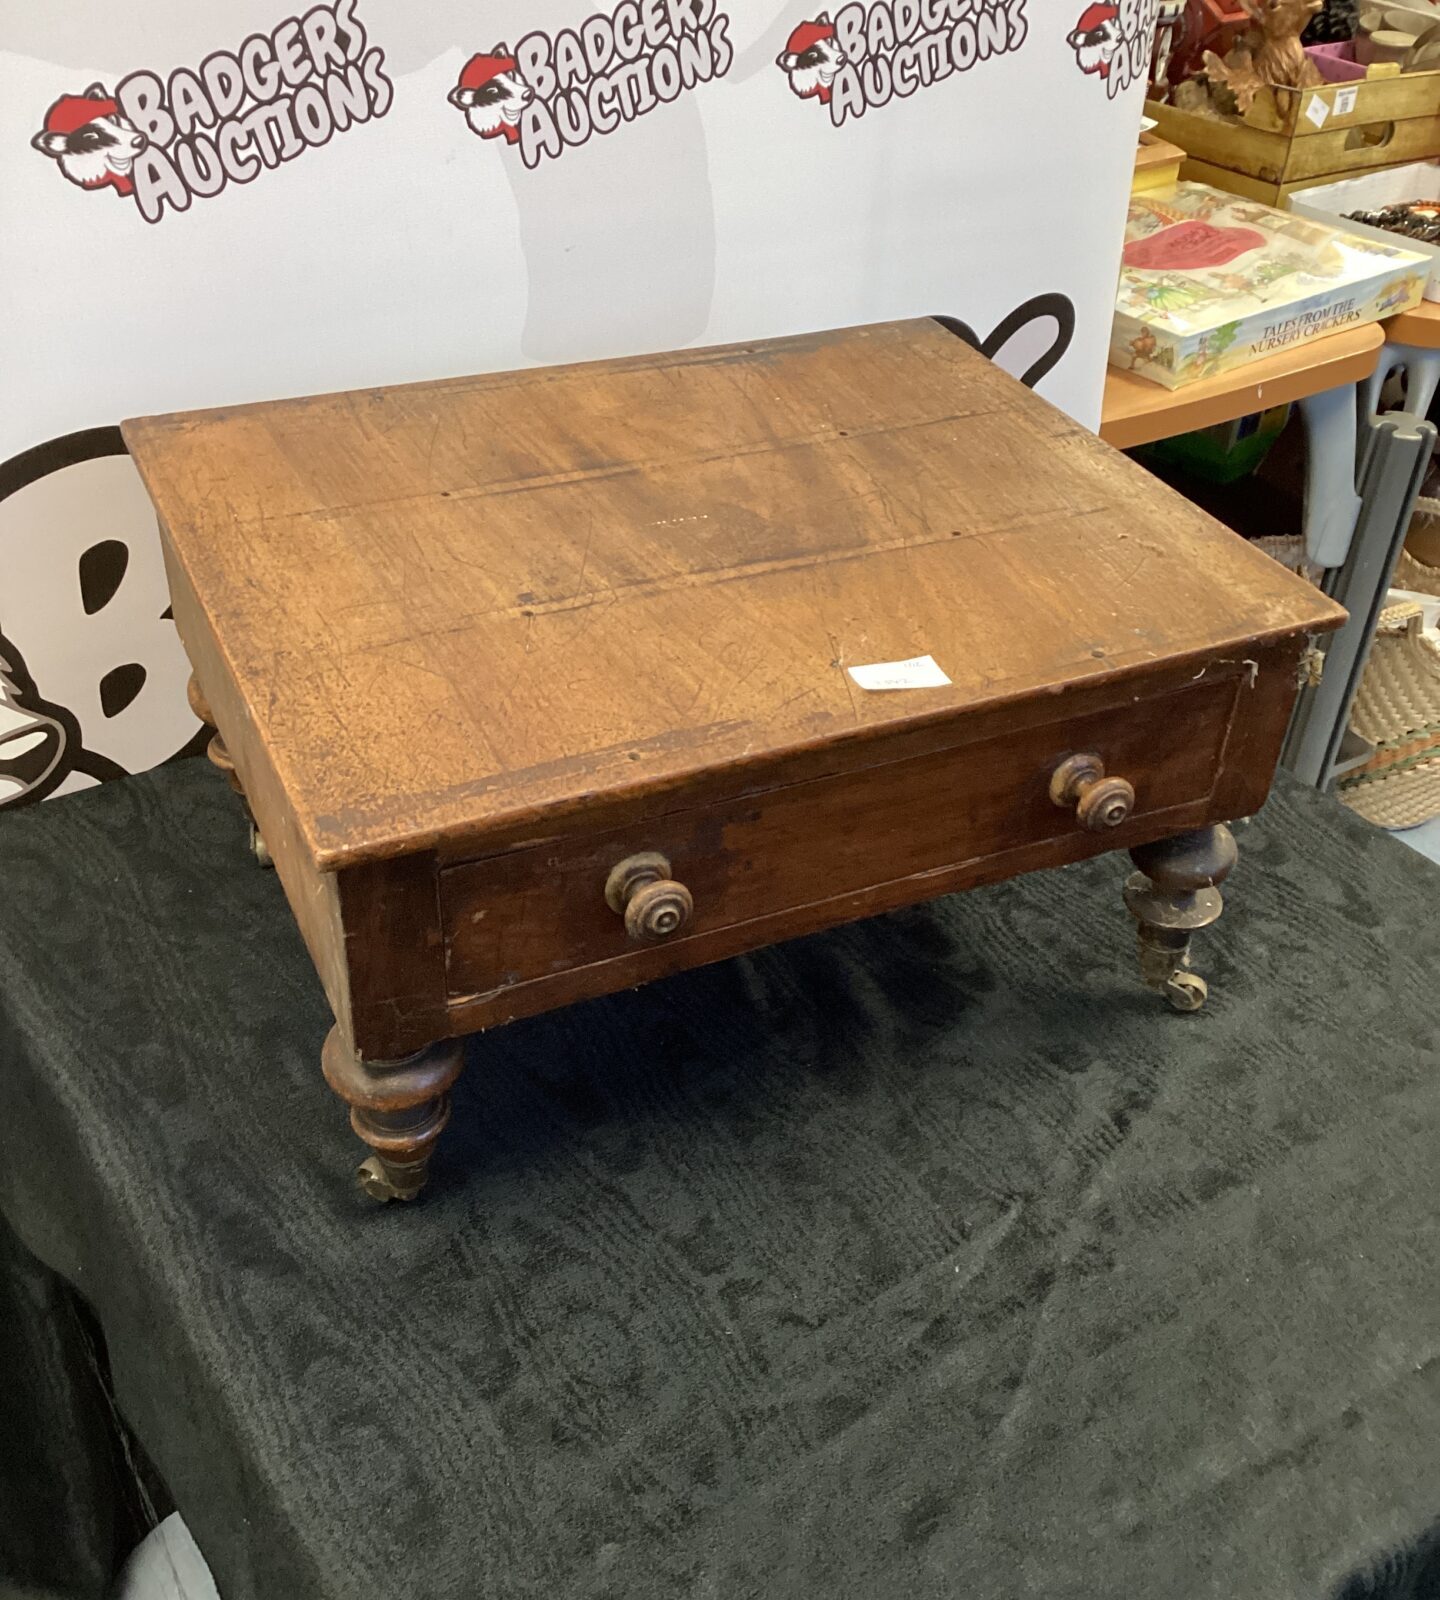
{"x": 537, "y": 683}
{"x": 1268, "y": 53}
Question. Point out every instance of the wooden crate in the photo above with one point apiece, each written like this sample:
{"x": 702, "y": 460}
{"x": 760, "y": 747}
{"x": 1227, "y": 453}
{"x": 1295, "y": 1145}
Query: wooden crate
{"x": 1282, "y": 144}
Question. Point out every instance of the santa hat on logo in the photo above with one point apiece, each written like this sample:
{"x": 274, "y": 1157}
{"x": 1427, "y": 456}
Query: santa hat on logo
{"x": 1095, "y": 17}
{"x": 479, "y": 70}
{"x": 72, "y": 111}
{"x": 810, "y": 33}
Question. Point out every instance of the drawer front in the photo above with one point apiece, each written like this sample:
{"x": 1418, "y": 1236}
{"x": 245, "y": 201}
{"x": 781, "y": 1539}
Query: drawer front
{"x": 524, "y": 917}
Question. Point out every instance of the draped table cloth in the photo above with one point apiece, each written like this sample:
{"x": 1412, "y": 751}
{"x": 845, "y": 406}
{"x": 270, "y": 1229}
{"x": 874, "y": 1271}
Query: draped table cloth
{"x": 929, "y": 1257}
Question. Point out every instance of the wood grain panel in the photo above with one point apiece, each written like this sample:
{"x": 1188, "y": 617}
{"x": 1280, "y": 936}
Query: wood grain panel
{"x": 512, "y": 919}
{"x": 477, "y": 1013}
{"x": 313, "y": 894}
{"x": 454, "y": 610}
{"x": 394, "y": 955}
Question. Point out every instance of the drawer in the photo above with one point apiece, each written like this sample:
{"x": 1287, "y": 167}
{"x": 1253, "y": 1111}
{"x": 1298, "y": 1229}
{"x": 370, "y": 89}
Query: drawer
{"x": 525, "y": 916}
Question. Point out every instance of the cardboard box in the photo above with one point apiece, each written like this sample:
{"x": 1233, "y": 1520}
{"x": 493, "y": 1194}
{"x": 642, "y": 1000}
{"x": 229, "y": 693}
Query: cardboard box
{"x": 1210, "y": 280}
{"x": 1328, "y": 202}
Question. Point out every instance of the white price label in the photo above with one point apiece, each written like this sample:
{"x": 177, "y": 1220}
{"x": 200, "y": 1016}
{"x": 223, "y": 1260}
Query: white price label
{"x": 920, "y": 672}
{"x": 1317, "y": 110}
{"x": 1345, "y": 100}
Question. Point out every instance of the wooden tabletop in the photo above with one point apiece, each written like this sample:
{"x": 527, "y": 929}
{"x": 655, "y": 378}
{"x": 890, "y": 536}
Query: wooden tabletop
{"x": 1137, "y": 411}
{"x": 1419, "y": 328}
{"x": 452, "y": 605}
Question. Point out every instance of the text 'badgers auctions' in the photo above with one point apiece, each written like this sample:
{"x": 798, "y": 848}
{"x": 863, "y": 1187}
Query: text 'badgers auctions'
{"x": 241, "y": 112}
{"x": 871, "y": 54}
{"x": 554, "y": 93}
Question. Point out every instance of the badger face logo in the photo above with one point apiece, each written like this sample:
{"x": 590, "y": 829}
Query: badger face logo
{"x": 1096, "y": 38}
{"x": 93, "y": 144}
{"x": 812, "y": 58}
{"x": 492, "y": 94}
{"x": 31, "y": 743}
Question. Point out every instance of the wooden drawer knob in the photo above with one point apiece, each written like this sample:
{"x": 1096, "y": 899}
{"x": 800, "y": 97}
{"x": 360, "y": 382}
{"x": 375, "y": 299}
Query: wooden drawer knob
{"x": 653, "y": 905}
{"x": 1099, "y": 802}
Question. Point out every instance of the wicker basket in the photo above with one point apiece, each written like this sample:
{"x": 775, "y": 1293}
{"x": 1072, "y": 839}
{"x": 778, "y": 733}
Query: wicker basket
{"x": 1413, "y": 570}
{"x": 1411, "y": 573}
{"x": 1398, "y": 711}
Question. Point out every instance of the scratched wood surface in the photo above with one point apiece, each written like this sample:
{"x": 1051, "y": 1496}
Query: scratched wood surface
{"x": 451, "y": 607}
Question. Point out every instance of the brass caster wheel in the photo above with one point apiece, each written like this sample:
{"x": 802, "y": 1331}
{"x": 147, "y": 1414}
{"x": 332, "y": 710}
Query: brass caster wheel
{"x": 258, "y": 848}
{"x": 1186, "y": 991}
{"x": 377, "y": 1184}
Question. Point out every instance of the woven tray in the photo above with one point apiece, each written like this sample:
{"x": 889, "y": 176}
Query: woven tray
{"x": 1413, "y": 574}
{"x": 1417, "y": 569}
{"x": 1397, "y": 710}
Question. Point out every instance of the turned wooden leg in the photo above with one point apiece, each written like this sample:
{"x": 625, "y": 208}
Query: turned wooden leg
{"x": 1173, "y": 895}
{"x": 219, "y": 757}
{"x": 398, "y": 1108}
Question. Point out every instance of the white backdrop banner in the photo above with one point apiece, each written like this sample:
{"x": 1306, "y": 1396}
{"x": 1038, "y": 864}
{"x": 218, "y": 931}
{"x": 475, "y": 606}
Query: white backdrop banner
{"x": 204, "y": 205}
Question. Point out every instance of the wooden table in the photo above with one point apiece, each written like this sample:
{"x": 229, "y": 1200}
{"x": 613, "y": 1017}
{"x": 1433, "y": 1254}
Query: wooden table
{"x": 539, "y": 684}
{"x": 1321, "y": 375}
{"x": 1412, "y": 341}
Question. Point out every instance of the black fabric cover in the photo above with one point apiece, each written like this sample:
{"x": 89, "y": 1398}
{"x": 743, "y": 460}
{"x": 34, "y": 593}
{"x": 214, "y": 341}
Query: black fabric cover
{"x": 73, "y": 1497}
{"x": 931, "y": 1257}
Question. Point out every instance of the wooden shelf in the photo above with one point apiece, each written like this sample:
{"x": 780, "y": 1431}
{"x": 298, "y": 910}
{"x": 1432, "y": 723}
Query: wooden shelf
{"x": 1137, "y": 411}
{"x": 1419, "y": 328}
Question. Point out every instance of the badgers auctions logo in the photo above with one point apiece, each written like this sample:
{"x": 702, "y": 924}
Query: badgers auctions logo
{"x": 279, "y": 95}
{"x": 554, "y": 93}
{"x": 871, "y": 54}
{"x": 1113, "y": 40}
